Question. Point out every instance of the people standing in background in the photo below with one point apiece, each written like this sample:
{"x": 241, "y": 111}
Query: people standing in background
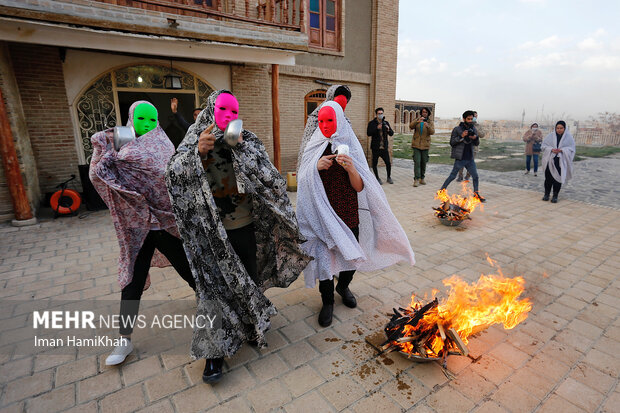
{"x": 558, "y": 153}
{"x": 379, "y": 130}
{"x": 463, "y": 140}
{"x": 533, "y": 143}
{"x": 174, "y": 106}
{"x": 481, "y": 134}
{"x": 423, "y": 128}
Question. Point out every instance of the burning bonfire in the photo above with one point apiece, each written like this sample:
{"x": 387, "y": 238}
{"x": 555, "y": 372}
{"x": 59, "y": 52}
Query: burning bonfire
{"x": 439, "y": 328}
{"x": 456, "y": 207}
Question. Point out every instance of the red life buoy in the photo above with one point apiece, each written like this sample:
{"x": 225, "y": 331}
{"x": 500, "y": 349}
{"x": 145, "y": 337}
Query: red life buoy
{"x": 68, "y": 204}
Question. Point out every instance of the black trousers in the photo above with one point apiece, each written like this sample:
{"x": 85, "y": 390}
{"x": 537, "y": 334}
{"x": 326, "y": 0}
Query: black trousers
{"x": 385, "y": 155}
{"x": 243, "y": 241}
{"x": 550, "y": 181}
{"x": 326, "y": 287}
{"x": 172, "y": 248}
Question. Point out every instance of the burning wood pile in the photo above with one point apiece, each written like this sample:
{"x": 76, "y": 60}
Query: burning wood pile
{"x": 456, "y": 207}
{"x": 440, "y": 328}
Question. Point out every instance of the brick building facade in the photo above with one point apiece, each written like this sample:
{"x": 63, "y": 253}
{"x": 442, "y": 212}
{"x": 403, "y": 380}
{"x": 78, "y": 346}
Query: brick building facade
{"x": 67, "y": 68}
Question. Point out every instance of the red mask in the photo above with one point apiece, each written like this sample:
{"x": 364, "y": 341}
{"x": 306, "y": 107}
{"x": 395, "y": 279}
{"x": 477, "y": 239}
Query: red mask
{"x": 226, "y": 109}
{"x": 341, "y": 100}
{"x": 327, "y": 121}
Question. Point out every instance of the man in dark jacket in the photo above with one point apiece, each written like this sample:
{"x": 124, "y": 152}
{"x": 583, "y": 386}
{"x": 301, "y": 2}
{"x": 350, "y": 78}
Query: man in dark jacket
{"x": 379, "y": 129}
{"x": 463, "y": 140}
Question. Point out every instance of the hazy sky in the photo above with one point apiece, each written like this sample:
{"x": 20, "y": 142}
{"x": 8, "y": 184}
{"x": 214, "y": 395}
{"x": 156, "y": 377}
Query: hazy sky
{"x": 502, "y": 56}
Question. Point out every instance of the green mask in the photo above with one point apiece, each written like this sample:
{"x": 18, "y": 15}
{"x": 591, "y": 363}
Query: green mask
{"x": 144, "y": 118}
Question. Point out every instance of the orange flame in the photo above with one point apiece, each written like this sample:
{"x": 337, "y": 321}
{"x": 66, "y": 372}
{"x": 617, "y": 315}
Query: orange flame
{"x": 470, "y": 308}
{"x": 466, "y": 199}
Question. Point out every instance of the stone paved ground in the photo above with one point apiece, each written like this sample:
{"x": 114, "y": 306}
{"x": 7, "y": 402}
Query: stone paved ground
{"x": 564, "y": 358}
{"x": 596, "y": 180}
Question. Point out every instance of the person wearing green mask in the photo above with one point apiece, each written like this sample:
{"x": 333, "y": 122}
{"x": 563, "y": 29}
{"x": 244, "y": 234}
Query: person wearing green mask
{"x": 131, "y": 183}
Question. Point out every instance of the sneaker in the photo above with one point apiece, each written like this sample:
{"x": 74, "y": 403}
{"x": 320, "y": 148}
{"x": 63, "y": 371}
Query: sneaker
{"x": 422, "y": 181}
{"x": 389, "y": 181}
{"x": 120, "y": 352}
{"x": 415, "y": 182}
{"x": 535, "y": 174}
{"x": 380, "y": 181}
{"x": 526, "y": 172}
{"x": 480, "y": 197}
{"x": 459, "y": 179}
{"x": 213, "y": 370}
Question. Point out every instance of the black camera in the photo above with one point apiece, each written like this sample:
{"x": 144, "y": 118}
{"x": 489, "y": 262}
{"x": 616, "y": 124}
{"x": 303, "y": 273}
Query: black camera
{"x": 471, "y": 132}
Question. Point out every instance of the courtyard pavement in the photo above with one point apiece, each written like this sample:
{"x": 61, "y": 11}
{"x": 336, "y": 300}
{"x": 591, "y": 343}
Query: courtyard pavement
{"x": 564, "y": 358}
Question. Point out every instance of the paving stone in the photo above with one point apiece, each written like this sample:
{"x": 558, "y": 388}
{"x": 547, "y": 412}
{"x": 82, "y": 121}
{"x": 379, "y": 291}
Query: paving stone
{"x": 511, "y": 396}
{"x": 165, "y": 384}
{"x": 77, "y": 370}
{"x": 268, "y": 367}
{"x": 53, "y": 401}
{"x": 490, "y": 407}
{"x": 377, "y": 402}
{"x": 492, "y": 369}
{"x": 194, "y": 399}
{"x": 28, "y": 386}
{"x": 472, "y": 385}
{"x": 309, "y": 403}
{"x": 234, "y": 383}
{"x": 446, "y": 400}
{"x": 162, "y": 406}
{"x": 342, "y": 392}
{"x": 302, "y": 380}
{"x": 592, "y": 377}
{"x": 128, "y": 399}
{"x": 510, "y": 355}
{"x": 237, "y": 405}
{"x": 140, "y": 370}
{"x": 579, "y": 394}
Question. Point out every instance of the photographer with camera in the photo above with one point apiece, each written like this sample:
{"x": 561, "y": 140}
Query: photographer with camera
{"x": 463, "y": 140}
{"x": 379, "y": 129}
{"x": 423, "y": 128}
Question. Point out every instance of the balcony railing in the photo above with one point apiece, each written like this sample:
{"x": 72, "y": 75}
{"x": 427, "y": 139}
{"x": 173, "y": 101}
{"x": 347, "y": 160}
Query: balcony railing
{"x": 285, "y": 14}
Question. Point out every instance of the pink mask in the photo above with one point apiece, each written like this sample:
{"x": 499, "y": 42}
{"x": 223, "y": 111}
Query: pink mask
{"x": 226, "y": 109}
{"x": 342, "y": 101}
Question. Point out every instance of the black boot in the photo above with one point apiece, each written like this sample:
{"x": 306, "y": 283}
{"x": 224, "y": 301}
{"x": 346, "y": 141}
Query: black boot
{"x": 348, "y": 298}
{"x": 546, "y": 197}
{"x": 213, "y": 370}
{"x": 554, "y": 199}
{"x": 326, "y": 287}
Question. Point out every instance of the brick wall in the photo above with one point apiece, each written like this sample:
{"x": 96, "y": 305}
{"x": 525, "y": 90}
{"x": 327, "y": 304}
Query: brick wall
{"x": 38, "y": 71}
{"x": 252, "y": 86}
{"x": 385, "y": 34}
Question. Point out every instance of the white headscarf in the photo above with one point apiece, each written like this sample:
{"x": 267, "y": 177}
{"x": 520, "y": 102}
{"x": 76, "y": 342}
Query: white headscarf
{"x": 382, "y": 241}
{"x": 567, "y": 144}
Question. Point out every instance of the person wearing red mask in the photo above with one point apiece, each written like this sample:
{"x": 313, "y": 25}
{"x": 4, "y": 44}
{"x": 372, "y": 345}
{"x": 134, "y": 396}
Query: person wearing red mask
{"x": 239, "y": 231}
{"x": 337, "y": 93}
{"x": 335, "y": 187}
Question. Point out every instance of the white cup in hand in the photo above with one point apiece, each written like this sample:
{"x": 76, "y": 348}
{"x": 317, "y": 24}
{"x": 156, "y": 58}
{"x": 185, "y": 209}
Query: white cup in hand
{"x": 342, "y": 150}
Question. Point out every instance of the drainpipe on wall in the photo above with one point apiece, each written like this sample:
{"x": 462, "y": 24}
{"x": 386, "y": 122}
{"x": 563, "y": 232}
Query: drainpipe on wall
{"x": 275, "y": 111}
{"x": 21, "y": 205}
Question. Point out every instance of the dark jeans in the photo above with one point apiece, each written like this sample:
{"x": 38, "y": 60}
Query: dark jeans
{"x": 243, "y": 241}
{"x": 528, "y": 159}
{"x": 172, "y": 248}
{"x": 470, "y": 165}
{"x": 385, "y": 155}
{"x": 326, "y": 287}
{"x": 550, "y": 182}
{"x": 420, "y": 159}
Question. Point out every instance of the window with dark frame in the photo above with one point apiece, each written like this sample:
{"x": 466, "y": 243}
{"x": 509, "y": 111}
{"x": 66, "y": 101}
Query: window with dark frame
{"x": 312, "y": 101}
{"x": 325, "y": 24}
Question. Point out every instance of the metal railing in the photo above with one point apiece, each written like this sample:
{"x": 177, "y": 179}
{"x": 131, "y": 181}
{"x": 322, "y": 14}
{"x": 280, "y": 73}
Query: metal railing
{"x": 284, "y": 14}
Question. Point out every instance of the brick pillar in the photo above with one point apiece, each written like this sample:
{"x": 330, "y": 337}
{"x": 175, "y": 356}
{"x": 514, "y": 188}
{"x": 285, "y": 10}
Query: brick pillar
{"x": 384, "y": 56}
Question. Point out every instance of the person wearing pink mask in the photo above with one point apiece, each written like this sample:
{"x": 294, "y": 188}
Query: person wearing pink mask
{"x": 343, "y": 212}
{"x": 238, "y": 228}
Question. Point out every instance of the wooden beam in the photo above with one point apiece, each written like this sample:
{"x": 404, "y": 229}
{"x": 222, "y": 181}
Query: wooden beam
{"x": 454, "y": 335}
{"x": 275, "y": 110}
{"x": 21, "y": 205}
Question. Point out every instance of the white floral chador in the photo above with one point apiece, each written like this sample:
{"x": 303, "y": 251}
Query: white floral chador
{"x": 382, "y": 241}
